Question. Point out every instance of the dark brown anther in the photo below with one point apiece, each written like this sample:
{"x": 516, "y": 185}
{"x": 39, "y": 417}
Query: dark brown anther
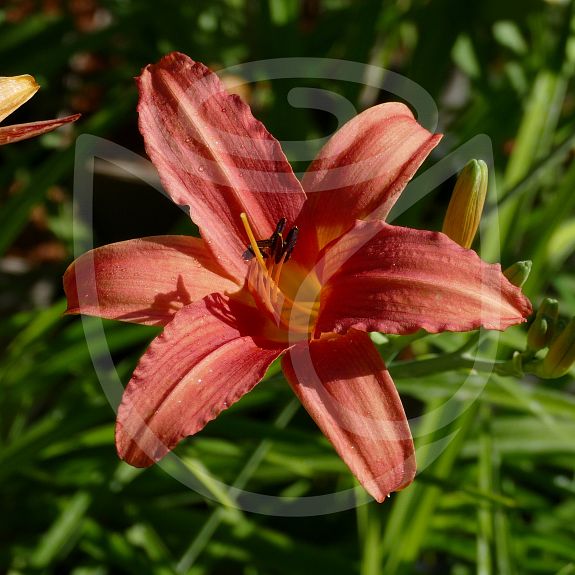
{"x": 264, "y": 246}
{"x": 275, "y": 247}
{"x": 248, "y": 254}
{"x": 281, "y": 225}
{"x": 290, "y": 242}
{"x": 277, "y": 241}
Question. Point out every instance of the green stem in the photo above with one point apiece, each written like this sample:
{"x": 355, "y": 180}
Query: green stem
{"x": 398, "y": 343}
{"x": 449, "y": 362}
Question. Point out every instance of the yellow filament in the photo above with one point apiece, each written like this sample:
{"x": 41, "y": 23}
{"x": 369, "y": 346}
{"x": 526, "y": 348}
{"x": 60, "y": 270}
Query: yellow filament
{"x": 253, "y": 241}
{"x": 270, "y": 270}
{"x": 278, "y": 270}
{"x": 276, "y": 276}
{"x": 264, "y": 290}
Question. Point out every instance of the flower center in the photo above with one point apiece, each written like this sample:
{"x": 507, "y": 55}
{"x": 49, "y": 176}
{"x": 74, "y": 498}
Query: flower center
{"x": 289, "y": 299}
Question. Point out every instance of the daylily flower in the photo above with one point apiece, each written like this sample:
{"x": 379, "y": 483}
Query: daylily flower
{"x": 302, "y": 270}
{"x": 15, "y": 91}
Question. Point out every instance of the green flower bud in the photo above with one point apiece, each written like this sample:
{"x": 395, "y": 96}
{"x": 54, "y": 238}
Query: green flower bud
{"x": 537, "y": 334}
{"x": 561, "y": 354}
{"x": 518, "y": 273}
{"x": 541, "y": 331}
{"x": 466, "y": 205}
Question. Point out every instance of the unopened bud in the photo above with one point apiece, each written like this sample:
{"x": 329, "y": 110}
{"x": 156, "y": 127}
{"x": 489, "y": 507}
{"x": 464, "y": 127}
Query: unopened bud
{"x": 538, "y": 334}
{"x": 518, "y": 273}
{"x": 542, "y": 329}
{"x": 14, "y": 91}
{"x": 561, "y": 354}
{"x": 466, "y": 205}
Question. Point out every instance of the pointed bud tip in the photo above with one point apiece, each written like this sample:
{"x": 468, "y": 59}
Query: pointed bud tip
{"x": 550, "y": 306}
{"x": 518, "y": 273}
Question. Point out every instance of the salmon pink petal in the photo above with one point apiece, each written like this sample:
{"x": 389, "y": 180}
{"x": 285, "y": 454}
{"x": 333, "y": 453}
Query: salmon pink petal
{"x": 143, "y": 281}
{"x": 17, "y": 132}
{"x": 397, "y": 280}
{"x": 204, "y": 361}
{"x": 361, "y": 171}
{"x": 215, "y": 157}
{"x": 345, "y": 387}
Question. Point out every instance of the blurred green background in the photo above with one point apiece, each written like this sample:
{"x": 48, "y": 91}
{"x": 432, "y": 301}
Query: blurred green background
{"x": 498, "y": 499}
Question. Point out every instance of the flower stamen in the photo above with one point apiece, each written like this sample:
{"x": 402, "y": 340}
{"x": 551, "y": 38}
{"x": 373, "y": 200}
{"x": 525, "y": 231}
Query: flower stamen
{"x": 264, "y": 278}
